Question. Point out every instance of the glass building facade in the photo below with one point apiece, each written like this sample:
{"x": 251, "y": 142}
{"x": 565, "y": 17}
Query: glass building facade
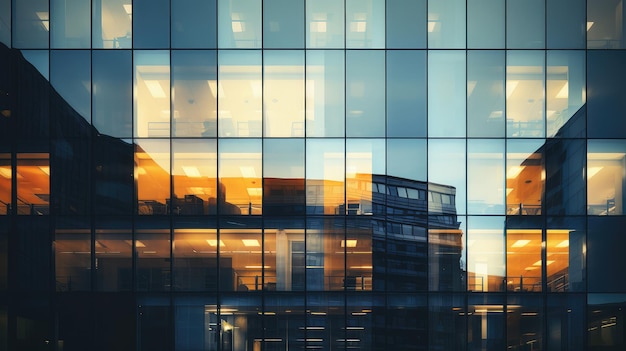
{"x": 246, "y": 175}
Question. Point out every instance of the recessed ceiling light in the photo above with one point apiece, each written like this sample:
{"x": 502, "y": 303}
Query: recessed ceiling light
{"x": 250, "y": 242}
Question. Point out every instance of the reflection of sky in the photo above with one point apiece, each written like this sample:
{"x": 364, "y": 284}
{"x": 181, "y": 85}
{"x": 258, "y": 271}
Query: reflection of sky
{"x": 446, "y": 165}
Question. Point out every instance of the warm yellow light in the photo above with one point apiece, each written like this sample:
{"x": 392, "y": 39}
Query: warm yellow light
{"x": 589, "y": 25}
{"x": 564, "y": 92}
{"x": 257, "y": 267}
{"x": 431, "y": 26}
{"x": 593, "y": 171}
{"x": 514, "y": 171}
{"x": 128, "y": 8}
{"x": 348, "y": 243}
{"x": 213, "y": 242}
{"x": 137, "y": 243}
{"x": 155, "y": 88}
{"x": 318, "y": 27}
{"x": 250, "y": 242}
{"x": 564, "y": 243}
{"x": 5, "y": 172}
{"x": 510, "y": 87}
{"x": 520, "y": 243}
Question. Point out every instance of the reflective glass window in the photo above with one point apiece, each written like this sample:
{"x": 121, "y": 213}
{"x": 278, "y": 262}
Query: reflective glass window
{"x": 325, "y": 176}
{"x": 485, "y": 176}
{"x": 194, "y": 24}
{"x": 406, "y": 158}
{"x": 325, "y": 93}
{"x": 71, "y": 27}
{"x": 152, "y": 176}
{"x": 72, "y": 253}
{"x": 406, "y": 93}
{"x": 607, "y": 94}
{"x": 485, "y": 254}
{"x": 194, "y": 170}
{"x": 152, "y": 247}
{"x": 111, "y": 24}
{"x": 33, "y": 183}
{"x": 151, "y": 24}
{"x": 365, "y": 100}
{"x": 365, "y": 23}
{"x": 485, "y": 24}
{"x": 525, "y": 98}
{"x": 566, "y": 322}
{"x": 283, "y": 24}
{"x": 6, "y": 174}
{"x": 240, "y": 97}
{"x": 283, "y": 93}
{"x": 485, "y": 93}
{"x": 31, "y": 24}
{"x": 525, "y": 24}
{"x": 114, "y": 167}
{"x": 446, "y": 249}
{"x": 566, "y": 250}
{"x": 325, "y": 24}
{"x": 70, "y": 75}
{"x": 447, "y": 309}
{"x": 525, "y": 177}
{"x": 524, "y": 262}
{"x": 486, "y": 324}
{"x": 71, "y": 185}
{"x": 241, "y": 258}
{"x": 239, "y": 23}
{"x": 195, "y": 323}
{"x": 565, "y": 29}
{"x": 281, "y": 313}
{"x": 5, "y": 22}
{"x": 283, "y": 176}
{"x": 365, "y": 162}
{"x": 195, "y": 257}
{"x": 152, "y": 94}
{"x": 406, "y": 23}
{"x": 112, "y": 107}
{"x": 240, "y": 172}
{"x": 325, "y": 255}
{"x": 605, "y": 321}
{"x": 566, "y": 93}
{"x": 114, "y": 250}
{"x": 407, "y": 318}
{"x": 326, "y": 309}
{"x": 284, "y": 254}
{"x": 446, "y": 24}
{"x": 604, "y": 249}
{"x": 605, "y": 177}
{"x": 446, "y": 177}
{"x": 195, "y": 90}
{"x": 564, "y": 162}
{"x": 525, "y": 321}
{"x": 446, "y": 93}
{"x": 605, "y": 24}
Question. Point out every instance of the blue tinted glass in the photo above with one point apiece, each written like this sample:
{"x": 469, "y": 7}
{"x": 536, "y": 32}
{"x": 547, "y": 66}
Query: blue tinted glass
{"x": 365, "y": 23}
{"x": 406, "y": 93}
{"x": 31, "y": 24}
{"x": 39, "y": 59}
{"x": 406, "y": 158}
{"x": 151, "y": 23}
{"x": 325, "y": 24}
{"x": 566, "y": 24}
{"x": 566, "y": 93}
{"x": 446, "y": 93}
{"x": 406, "y": 23}
{"x": 485, "y": 176}
{"x": 485, "y": 93}
{"x": 605, "y": 244}
{"x": 446, "y": 24}
{"x": 283, "y": 23}
{"x": 112, "y": 24}
{"x": 606, "y": 94}
{"x": 446, "y": 175}
{"x": 564, "y": 161}
{"x": 605, "y": 24}
{"x": 365, "y": 101}
{"x": 194, "y": 23}
{"x": 70, "y": 24}
{"x": 239, "y": 23}
{"x": 485, "y": 24}
{"x": 525, "y": 24}
{"x": 525, "y": 97}
{"x": 112, "y": 92}
{"x": 325, "y": 93}
{"x": 71, "y": 77}
{"x": 5, "y": 22}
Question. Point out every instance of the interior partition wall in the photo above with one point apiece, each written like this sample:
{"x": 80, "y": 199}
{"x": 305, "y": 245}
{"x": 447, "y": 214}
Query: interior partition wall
{"x": 312, "y": 174}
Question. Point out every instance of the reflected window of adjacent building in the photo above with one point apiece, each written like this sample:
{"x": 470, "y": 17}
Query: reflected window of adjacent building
{"x": 283, "y": 93}
{"x": 447, "y": 176}
{"x": 365, "y": 159}
{"x": 446, "y": 251}
{"x": 523, "y": 260}
{"x": 485, "y": 254}
{"x": 566, "y": 93}
{"x": 6, "y": 176}
{"x": 239, "y": 23}
{"x": 325, "y": 93}
{"x": 152, "y": 94}
{"x": 325, "y": 24}
{"x": 365, "y": 27}
{"x": 325, "y": 176}
{"x": 112, "y": 24}
{"x": 194, "y": 170}
{"x": 283, "y": 177}
{"x": 33, "y": 184}
{"x": 326, "y": 246}
{"x": 195, "y": 92}
{"x": 240, "y": 92}
{"x": 240, "y": 172}
{"x": 485, "y": 176}
{"x": 71, "y": 28}
{"x": 72, "y": 253}
{"x": 114, "y": 252}
{"x": 525, "y": 177}
{"x": 525, "y": 79}
{"x": 605, "y": 24}
{"x": 606, "y": 161}
{"x": 152, "y": 176}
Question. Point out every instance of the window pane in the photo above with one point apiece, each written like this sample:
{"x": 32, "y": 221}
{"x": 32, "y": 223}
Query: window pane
{"x": 406, "y": 23}
{"x": 325, "y": 24}
{"x": 485, "y": 176}
{"x": 525, "y": 94}
{"x": 283, "y": 94}
{"x": 72, "y": 252}
{"x": 525, "y": 321}
{"x": 365, "y": 27}
{"x": 240, "y": 98}
{"x": 565, "y": 161}
{"x": 151, "y": 24}
{"x": 71, "y": 77}
{"x": 446, "y": 250}
{"x": 524, "y": 264}
{"x": 566, "y": 94}
{"x": 152, "y": 94}
{"x": 5, "y": 22}
{"x": 607, "y": 93}
{"x": 566, "y": 322}
{"x": 325, "y": 176}
{"x": 283, "y": 161}
{"x": 485, "y": 254}
{"x": 241, "y": 258}
{"x": 152, "y": 174}
{"x": 71, "y": 26}
{"x": 284, "y": 254}
{"x": 325, "y": 93}
{"x": 112, "y": 92}
{"x": 283, "y": 23}
{"x": 525, "y": 24}
{"x": 194, "y": 23}
{"x": 446, "y": 24}
{"x": 485, "y": 24}
{"x": 605, "y": 177}
{"x": 112, "y": 24}
{"x": 566, "y": 29}
{"x": 239, "y": 23}
{"x": 401, "y": 150}
{"x": 365, "y": 103}
{"x": 325, "y": 257}
{"x": 358, "y": 251}
{"x": 406, "y": 93}
{"x": 194, "y": 170}
{"x": 240, "y": 172}
{"x": 485, "y": 93}
{"x": 605, "y": 244}
{"x": 605, "y": 310}
{"x": 195, "y": 257}
{"x": 525, "y": 176}
{"x": 114, "y": 187}
{"x": 33, "y": 183}
{"x": 446, "y": 93}
{"x": 6, "y": 174}
{"x": 152, "y": 246}
{"x": 194, "y": 82}
{"x": 31, "y": 24}
{"x": 114, "y": 254}
{"x": 566, "y": 248}
{"x": 446, "y": 177}
{"x": 486, "y": 322}
{"x": 605, "y": 24}
{"x": 365, "y": 160}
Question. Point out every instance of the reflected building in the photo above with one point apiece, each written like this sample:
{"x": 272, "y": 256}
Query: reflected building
{"x": 289, "y": 174}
